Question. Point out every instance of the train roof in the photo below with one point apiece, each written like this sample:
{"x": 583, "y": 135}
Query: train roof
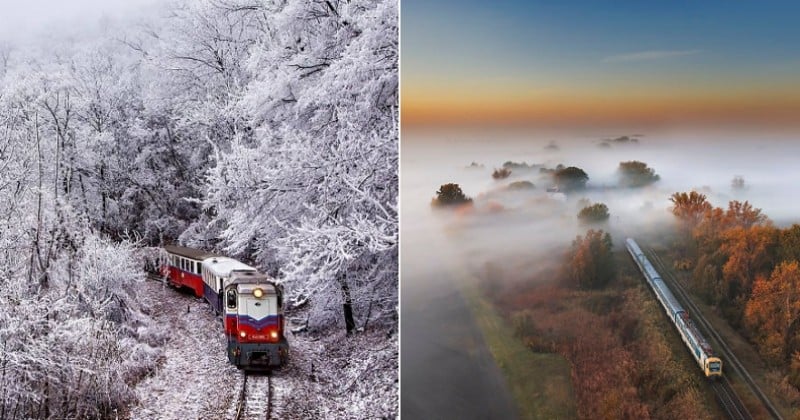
{"x": 668, "y": 296}
{"x": 250, "y": 277}
{"x": 224, "y": 266}
{"x": 192, "y": 253}
{"x": 701, "y": 341}
{"x": 632, "y": 244}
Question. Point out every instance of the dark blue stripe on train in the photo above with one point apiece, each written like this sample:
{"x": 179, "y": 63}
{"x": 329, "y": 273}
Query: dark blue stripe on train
{"x": 269, "y": 321}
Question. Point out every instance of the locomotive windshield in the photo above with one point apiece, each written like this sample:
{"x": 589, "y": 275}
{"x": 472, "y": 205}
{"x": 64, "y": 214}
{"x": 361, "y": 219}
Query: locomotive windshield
{"x": 257, "y": 308}
{"x": 714, "y": 366}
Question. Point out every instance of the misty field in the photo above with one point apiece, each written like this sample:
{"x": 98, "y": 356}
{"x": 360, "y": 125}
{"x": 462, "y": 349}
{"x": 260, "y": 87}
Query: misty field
{"x": 508, "y": 207}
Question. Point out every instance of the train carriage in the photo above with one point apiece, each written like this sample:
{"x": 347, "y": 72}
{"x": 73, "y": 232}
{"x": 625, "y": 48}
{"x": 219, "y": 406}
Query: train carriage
{"x": 215, "y": 272}
{"x": 182, "y": 267}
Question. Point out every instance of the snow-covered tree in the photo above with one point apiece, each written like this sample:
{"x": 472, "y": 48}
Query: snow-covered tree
{"x": 263, "y": 129}
{"x": 313, "y": 193}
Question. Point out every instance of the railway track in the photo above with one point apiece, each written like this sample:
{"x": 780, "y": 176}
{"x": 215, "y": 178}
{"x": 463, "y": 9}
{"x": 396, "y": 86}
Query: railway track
{"x": 725, "y": 394}
{"x": 729, "y": 401}
{"x": 255, "y": 397}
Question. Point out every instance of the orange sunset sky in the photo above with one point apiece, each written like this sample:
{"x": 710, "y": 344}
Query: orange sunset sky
{"x": 596, "y": 63}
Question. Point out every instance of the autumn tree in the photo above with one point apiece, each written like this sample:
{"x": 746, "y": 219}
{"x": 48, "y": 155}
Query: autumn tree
{"x": 773, "y": 312}
{"x": 789, "y": 248}
{"x": 594, "y": 213}
{"x": 450, "y": 195}
{"x": 636, "y": 174}
{"x": 744, "y": 214}
{"x": 570, "y": 178}
{"x": 590, "y": 264}
{"x": 689, "y": 207}
{"x": 750, "y": 252}
{"x": 707, "y": 233}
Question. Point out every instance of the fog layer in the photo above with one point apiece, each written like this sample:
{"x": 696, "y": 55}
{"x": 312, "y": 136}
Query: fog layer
{"x": 530, "y": 228}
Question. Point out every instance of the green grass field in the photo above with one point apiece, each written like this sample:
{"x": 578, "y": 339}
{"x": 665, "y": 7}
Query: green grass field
{"x": 540, "y": 382}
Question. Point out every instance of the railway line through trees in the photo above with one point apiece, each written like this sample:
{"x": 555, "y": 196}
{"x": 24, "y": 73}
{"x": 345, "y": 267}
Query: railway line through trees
{"x": 725, "y": 394}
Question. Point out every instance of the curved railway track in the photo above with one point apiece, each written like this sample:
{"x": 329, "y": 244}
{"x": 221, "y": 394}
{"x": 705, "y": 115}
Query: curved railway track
{"x": 255, "y": 397}
{"x": 730, "y": 361}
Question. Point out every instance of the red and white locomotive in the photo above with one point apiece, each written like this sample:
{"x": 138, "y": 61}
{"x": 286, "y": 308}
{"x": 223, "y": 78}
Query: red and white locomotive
{"x": 250, "y": 303}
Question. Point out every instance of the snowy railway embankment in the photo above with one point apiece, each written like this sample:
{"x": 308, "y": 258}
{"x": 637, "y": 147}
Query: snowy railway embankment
{"x": 193, "y": 365}
{"x": 329, "y": 375}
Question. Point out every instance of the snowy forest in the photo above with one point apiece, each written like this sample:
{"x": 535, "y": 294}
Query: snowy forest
{"x": 264, "y": 130}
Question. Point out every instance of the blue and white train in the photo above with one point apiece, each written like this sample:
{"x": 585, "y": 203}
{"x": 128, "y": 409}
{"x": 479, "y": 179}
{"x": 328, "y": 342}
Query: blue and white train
{"x": 697, "y": 344}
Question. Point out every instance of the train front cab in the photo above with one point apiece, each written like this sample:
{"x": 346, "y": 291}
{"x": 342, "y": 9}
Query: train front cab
{"x": 254, "y": 324}
{"x": 713, "y": 367}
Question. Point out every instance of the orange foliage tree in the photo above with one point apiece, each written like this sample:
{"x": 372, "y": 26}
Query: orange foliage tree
{"x": 591, "y": 261}
{"x": 750, "y": 251}
{"x": 773, "y": 312}
{"x": 744, "y": 214}
{"x": 789, "y": 249}
{"x": 689, "y": 207}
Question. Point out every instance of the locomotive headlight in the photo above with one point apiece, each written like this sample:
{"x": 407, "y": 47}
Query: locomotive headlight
{"x": 242, "y": 334}
{"x": 258, "y": 292}
{"x": 273, "y": 335}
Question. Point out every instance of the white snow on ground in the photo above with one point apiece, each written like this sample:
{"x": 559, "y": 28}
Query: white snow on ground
{"x": 194, "y": 378}
{"x": 329, "y": 375}
{"x": 333, "y": 376}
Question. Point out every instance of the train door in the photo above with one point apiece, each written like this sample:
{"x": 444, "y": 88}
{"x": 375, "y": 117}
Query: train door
{"x": 219, "y": 295}
{"x": 230, "y": 311}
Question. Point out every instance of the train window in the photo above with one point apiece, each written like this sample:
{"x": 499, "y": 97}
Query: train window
{"x": 231, "y": 299}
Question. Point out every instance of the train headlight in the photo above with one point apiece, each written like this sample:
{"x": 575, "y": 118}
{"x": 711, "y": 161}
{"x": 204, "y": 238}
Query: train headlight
{"x": 273, "y": 335}
{"x": 242, "y": 334}
{"x": 258, "y": 292}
